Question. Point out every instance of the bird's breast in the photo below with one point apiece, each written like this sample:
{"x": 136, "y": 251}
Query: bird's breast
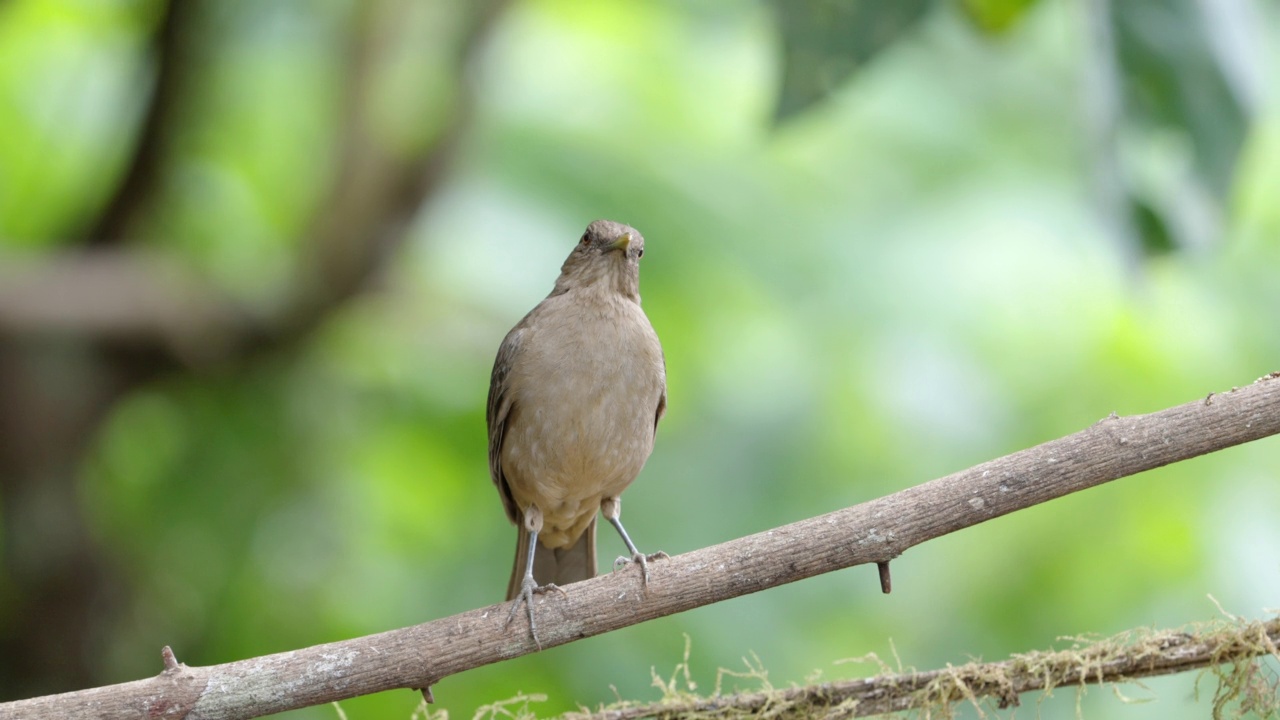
{"x": 583, "y": 418}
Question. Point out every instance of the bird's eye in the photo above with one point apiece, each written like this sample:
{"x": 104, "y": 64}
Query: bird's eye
{"x": 641, "y": 253}
{"x": 585, "y": 239}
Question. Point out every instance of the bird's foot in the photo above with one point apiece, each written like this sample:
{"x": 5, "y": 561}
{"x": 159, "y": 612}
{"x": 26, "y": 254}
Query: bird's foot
{"x": 639, "y": 559}
{"x": 529, "y": 588}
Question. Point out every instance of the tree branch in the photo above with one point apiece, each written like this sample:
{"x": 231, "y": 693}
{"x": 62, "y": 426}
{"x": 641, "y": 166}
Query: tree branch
{"x": 873, "y": 532}
{"x": 123, "y": 295}
{"x": 188, "y": 320}
{"x": 1130, "y": 656}
{"x": 170, "y": 56}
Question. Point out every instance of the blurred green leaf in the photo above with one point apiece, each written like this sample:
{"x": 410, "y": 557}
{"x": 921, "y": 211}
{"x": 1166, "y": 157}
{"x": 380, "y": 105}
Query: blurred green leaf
{"x": 1173, "y": 81}
{"x": 995, "y": 16}
{"x": 74, "y": 82}
{"x": 825, "y": 41}
{"x": 1153, "y": 231}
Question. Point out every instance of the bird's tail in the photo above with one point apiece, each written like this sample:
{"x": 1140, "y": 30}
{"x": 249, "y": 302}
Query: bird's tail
{"x": 562, "y": 566}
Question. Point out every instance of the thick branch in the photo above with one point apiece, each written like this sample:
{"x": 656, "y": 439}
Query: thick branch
{"x": 875, "y": 531}
{"x": 121, "y": 295}
{"x": 1108, "y": 661}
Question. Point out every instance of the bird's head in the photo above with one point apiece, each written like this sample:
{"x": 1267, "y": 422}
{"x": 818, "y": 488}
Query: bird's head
{"x": 608, "y": 252}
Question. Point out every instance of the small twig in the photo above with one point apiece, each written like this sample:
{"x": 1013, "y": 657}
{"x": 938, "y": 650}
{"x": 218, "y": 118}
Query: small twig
{"x": 170, "y": 661}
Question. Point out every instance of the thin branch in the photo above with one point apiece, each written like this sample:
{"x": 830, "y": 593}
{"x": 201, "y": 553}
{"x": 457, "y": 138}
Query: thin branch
{"x": 169, "y": 57}
{"x": 1114, "y": 660}
{"x": 873, "y": 532}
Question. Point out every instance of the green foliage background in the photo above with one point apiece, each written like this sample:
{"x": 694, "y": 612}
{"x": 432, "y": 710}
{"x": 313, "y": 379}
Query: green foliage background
{"x": 905, "y": 279}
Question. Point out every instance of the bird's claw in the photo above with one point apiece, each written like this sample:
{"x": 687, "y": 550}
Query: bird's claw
{"x": 639, "y": 559}
{"x": 529, "y": 588}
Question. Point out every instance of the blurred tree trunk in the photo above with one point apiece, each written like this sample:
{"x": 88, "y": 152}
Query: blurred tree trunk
{"x": 60, "y": 592}
{"x": 86, "y": 327}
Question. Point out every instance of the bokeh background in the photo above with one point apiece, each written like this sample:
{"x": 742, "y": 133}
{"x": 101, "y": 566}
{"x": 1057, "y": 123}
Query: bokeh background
{"x": 256, "y": 258}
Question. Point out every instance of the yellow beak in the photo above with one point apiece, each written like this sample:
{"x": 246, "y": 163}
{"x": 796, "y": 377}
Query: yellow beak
{"x": 621, "y": 243}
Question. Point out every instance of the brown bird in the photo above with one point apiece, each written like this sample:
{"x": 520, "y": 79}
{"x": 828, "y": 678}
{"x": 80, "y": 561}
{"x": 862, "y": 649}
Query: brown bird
{"x": 577, "y": 391}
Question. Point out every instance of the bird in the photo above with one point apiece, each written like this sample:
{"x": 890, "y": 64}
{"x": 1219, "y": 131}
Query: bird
{"x": 578, "y": 388}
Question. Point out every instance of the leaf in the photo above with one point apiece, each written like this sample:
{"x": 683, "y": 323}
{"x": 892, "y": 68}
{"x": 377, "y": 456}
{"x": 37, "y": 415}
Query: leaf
{"x": 995, "y": 16}
{"x": 1153, "y": 232}
{"x": 825, "y": 41}
{"x": 1173, "y": 81}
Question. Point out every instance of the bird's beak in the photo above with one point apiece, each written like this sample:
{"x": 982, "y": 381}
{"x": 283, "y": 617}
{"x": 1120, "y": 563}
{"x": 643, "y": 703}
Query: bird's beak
{"x": 621, "y": 243}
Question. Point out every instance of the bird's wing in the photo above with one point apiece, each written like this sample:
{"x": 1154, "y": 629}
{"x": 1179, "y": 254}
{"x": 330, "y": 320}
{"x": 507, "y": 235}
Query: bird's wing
{"x": 662, "y": 399}
{"x": 501, "y": 403}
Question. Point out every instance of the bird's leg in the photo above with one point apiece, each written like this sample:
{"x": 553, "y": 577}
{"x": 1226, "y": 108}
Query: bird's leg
{"x": 611, "y": 508}
{"x": 529, "y": 586}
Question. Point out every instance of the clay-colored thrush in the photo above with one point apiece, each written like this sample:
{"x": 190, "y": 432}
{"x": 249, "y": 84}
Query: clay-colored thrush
{"x": 578, "y": 388}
